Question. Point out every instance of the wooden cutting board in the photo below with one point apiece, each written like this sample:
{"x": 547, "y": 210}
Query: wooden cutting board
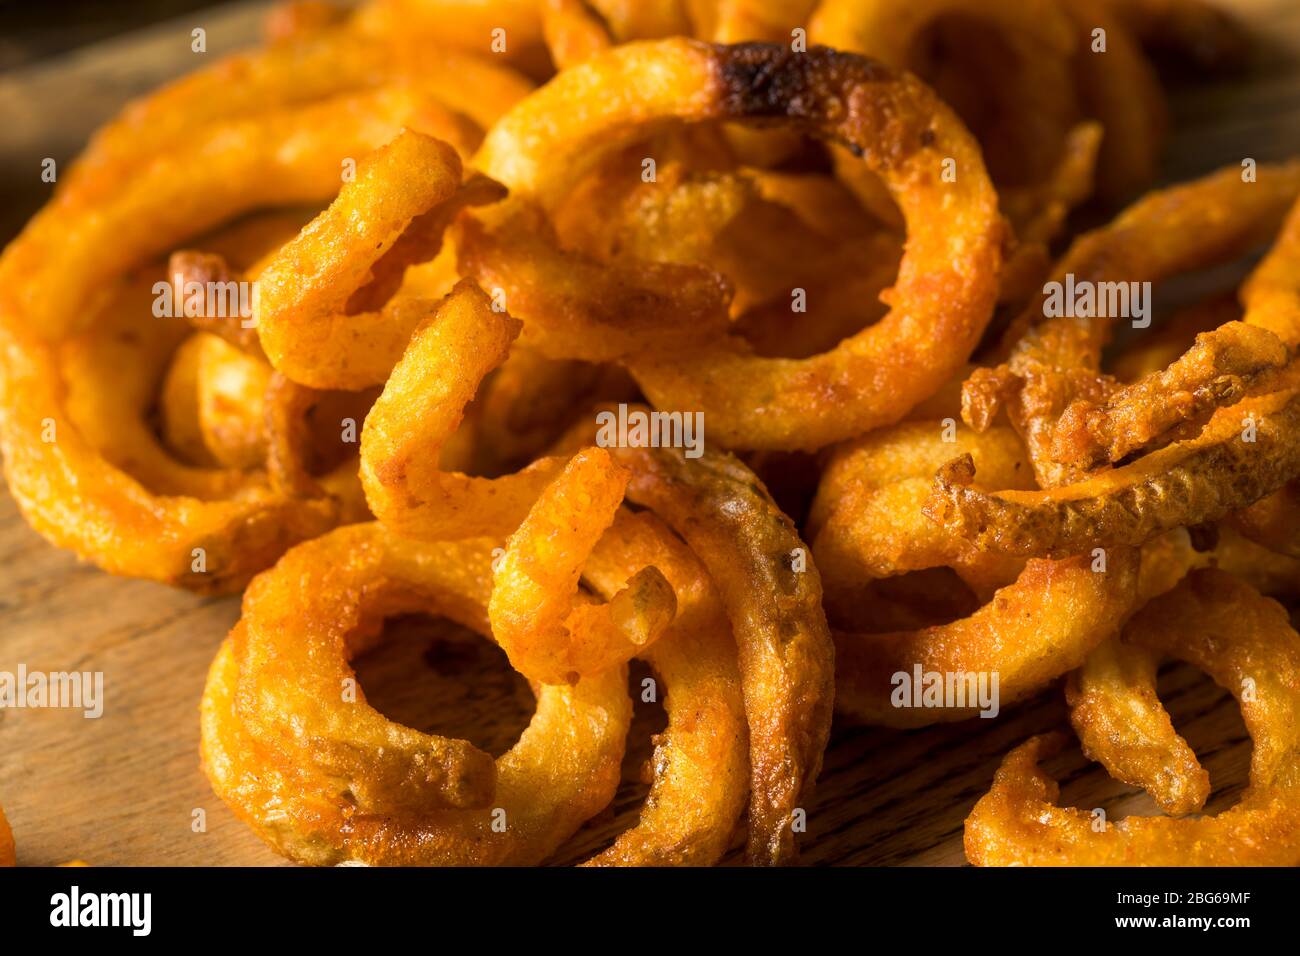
{"x": 124, "y": 789}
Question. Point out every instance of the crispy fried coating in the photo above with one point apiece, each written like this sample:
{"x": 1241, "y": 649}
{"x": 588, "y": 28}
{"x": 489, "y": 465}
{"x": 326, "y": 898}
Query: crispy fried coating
{"x": 1033, "y": 105}
{"x": 869, "y": 523}
{"x": 574, "y": 31}
{"x": 393, "y": 214}
{"x": 1244, "y": 453}
{"x": 1055, "y": 359}
{"x": 68, "y": 443}
{"x": 421, "y": 407}
{"x": 211, "y": 404}
{"x": 575, "y": 307}
{"x": 1246, "y": 644}
{"x": 324, "y": 779}
{"x": 752, "y": 551}
{"x": 1222, "y": 367}
{"x": 300, "y": 625}
{"x": 804, "y": 246}
{"x": 332, "y": 63}
{"x": 1216, "y": 372}
{"x": 1018, "y": 74}
{"x": 701, "y": 760}
{"x": 463, "y": 25}
{"x": 867, "y": 520}
{"x": 287, "y": 157}
{"x": 1122, "y": 724}
{"x": 1031, "y": 632}
{"x": 548, "y": 635}
{"x": 208, "y": 529}
{"x": 942, "y": 299}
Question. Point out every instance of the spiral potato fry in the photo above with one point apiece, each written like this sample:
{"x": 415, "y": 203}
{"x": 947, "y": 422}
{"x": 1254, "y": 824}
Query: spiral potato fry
{"x": 532, "y": 610}
{"x": 871, "y": 525}
{"x": 1054, "y": 360}
{"x": 301, "y": 319}
{"x": 562, "y": 771}
{"x": 773, "y": 600}
{"x": 1244, "y": 453}
{"x": 1121, "y": 723}
{"x": 437, "y": 375}
{"x": 1221, "y": 368}
{"x": 701, "y": 762}
{"x": 575, "y": 322}
{"x": 877, "y": 374}
{"x": 1221, "y": 626}
{"x": 786, "y": 658}
{"x": 215, "y": 536}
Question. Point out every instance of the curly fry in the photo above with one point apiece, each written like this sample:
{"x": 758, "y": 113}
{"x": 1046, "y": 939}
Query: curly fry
{"x": 304, "y": 317}
{"x": 867, "y": 520}
{"x": 1243, "y": 454}
{"x": 786, "y": 657}
{"x": 874, "y": 376}
{"x": 1216, "y": 372}
{"x": 1054, "y": 360}
{"x": 751, "y": 550}
{"x": 1122, "y": 724}
{"x": 701, "y": 760}
{"x": 1243, "y": 641}
{"x": 421, "y": 406}
{"x": 326, "y": 781}
{"x": 1222, "y": 367}
{"x": 532, "y": 609}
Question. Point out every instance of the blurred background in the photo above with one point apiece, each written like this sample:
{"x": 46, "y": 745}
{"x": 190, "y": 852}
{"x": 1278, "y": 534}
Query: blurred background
{"x": 32, "y": 31}
{"x": 66, "y": 66}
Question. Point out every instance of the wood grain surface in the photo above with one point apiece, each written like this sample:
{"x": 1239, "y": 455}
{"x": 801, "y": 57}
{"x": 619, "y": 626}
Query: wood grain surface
{"x": 123, "y": 789}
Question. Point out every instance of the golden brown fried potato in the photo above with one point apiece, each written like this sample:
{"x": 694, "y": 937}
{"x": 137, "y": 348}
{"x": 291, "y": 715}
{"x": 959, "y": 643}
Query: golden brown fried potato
{"x": 772, "y": 594}
{"x": 867, "y": 520}
{"x": 211, "y": 404}
{"x": 701, "y": 760}
{"x": 875, "y": 376}
{"x": 1055, "y": 359}
{"x": 1244, "y": 453}
{"x": 752, "y": 552}
{"x": 421, "y": 407}
{"x": 1122, "y": 724}
{"x": 1224, "y": 365}
{"x": 164, "y": 174}
{"x": 325, "y": 779}
{"x": 536, "y": 617}
{"x": 1244, "y": 642}
{"x": 326, "y": 316}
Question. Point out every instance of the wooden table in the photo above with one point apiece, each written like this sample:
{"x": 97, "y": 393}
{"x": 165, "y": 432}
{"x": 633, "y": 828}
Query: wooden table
{"x": 124, "y": 789}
